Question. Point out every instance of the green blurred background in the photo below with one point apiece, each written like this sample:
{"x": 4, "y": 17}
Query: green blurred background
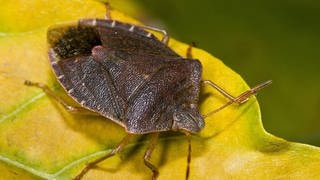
{"x": 261, "y": 40}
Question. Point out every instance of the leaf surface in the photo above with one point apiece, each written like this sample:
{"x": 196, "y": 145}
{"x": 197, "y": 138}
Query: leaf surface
{"x": 40, "y": 139}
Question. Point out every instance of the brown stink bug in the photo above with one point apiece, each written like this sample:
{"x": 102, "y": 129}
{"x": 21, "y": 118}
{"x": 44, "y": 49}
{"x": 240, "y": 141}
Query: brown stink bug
{"x": 125, "y": 74}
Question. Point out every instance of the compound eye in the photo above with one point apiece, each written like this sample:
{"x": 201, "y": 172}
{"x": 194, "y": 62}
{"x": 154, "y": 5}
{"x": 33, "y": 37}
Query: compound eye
{"x": 187, "y": 120}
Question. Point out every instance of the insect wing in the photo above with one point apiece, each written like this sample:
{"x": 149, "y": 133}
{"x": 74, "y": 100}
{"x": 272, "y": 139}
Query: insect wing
{"x": 151, "y": 86}
{"x": 91, "y": 86}
{"x": 139, "y": 89}
{"x": 129, "y": 38}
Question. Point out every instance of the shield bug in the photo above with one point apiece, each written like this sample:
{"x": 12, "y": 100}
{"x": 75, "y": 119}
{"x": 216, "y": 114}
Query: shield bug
{"x": 124, "y": 73}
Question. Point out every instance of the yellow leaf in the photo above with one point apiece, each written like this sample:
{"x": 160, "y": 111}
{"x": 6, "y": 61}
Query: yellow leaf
{"x": 39, "y": 139}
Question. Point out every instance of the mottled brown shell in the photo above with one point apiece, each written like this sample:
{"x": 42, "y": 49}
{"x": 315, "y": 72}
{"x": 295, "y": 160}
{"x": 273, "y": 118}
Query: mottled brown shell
{"x": 127, "y": 75}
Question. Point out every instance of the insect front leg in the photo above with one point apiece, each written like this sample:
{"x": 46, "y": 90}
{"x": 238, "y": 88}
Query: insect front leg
{"x": 147, "y": 155}
{"x": 49, "y": 92}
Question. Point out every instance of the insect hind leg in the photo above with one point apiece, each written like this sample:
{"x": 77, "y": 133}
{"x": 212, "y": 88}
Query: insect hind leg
{"x": 70, "y": 108}
{"x": 108, "y": 11}
{"x": 189, "y": 50}
{"x": 165, "y": 38}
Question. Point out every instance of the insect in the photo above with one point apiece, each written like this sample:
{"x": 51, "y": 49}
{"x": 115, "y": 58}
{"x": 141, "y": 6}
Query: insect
{"x": 124, "y": 73}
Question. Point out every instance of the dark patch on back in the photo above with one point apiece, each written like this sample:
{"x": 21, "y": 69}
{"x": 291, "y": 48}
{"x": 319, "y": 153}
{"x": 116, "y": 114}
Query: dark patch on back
{"x": 73, "y": 41}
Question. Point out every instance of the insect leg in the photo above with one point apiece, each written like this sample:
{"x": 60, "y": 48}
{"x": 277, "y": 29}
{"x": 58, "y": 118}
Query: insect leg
{"x": 189, "y": 156}
{"x": 242, "y": 98}
{"x": 68, "y": 107}
{"x": 165, "y": 38}
{"x": 114, "y": 151}
{"x": 148, "y": 153}
{"x": 189, "y": 50}
{"x": 108, "y": 10}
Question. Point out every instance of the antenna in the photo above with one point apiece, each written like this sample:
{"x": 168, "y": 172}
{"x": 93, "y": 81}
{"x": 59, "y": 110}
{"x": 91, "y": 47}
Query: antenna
{"x": 242, "y": 98}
